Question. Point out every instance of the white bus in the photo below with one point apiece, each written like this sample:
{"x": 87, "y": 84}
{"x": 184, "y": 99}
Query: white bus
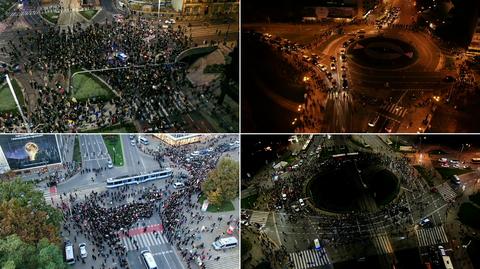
{"x": 148, "y": 260}
{"x": 224, "y": 243}
{"x": 69, "y": 255}
{"x": 137, "y": 179}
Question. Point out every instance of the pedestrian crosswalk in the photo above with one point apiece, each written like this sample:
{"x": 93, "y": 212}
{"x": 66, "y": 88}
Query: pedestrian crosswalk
{"x": 382, "y": 243}
{"x": 226, "y": 262}
{"x": 259, "y": 217}
{"x": 309, "y": 258}
{"x": 431, "y": 236}
{"x": 395, "y": 110}
{"x": 143, "y": 240}
{"x": 344, "y": 96}
{"x": 446, "y": 191}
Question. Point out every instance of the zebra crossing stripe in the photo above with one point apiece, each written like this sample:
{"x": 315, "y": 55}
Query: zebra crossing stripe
{"x": 444, "y": 234}
{"x": 309, "y": 258}
{"x": 432, "y": 236}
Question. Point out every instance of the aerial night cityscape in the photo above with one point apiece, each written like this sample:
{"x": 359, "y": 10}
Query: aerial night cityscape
{"x": 119, "y": 201}
{"x": 118, "y": 65}
{"x": 350, "y": 66}
{"x": 360, "y": 201}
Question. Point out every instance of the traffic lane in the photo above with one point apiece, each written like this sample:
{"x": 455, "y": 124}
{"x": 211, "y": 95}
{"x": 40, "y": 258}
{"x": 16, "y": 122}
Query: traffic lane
{"x": 136, "y": 161}
{"x": 166, "y": 257}
{"x": 128, "y": 162}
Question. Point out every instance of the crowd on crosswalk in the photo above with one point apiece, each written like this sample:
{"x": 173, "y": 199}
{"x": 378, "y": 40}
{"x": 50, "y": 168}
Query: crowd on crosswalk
{"x": 345, "y": 228}
{"x": 186, "y": 230}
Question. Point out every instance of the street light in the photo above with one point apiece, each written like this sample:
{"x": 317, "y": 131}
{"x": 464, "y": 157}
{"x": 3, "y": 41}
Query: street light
{"x": 17, "y": 103}
{"x": 158, "y": 9}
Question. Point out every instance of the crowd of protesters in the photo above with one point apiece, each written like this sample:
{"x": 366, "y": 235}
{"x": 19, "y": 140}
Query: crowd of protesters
{"x": 351, "y": 226}
{"x": 104, "y": 217}
{"x": 135, "y": 57}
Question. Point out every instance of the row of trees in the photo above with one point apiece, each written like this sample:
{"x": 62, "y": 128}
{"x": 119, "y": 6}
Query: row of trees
{"x": 29, "y": 228}
{"x": 222, "y": 183}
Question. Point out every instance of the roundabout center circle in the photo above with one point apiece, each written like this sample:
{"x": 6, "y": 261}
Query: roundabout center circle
{"x": 381, "y": 52}
{"x": 345, "y": 187}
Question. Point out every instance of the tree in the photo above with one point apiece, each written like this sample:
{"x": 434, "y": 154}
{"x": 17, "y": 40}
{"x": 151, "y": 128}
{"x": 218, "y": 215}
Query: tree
{"x": 23, "y": 211}
{"x": 222, "y": 183}
{"x": 15, "y": 253}
{"x": 49, "y": 256}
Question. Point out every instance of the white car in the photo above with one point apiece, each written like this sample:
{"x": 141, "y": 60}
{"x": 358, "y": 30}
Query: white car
{"x": 301, "y": 202}
{"x": 132, "y": 142}
{"x": 178, "y": 185}
{"x": 284, "y": 196}
{"x": 83, "y": 250}
{"x": 110, "y": 164}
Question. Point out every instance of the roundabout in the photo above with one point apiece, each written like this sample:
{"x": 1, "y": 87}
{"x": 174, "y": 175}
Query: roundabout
{"x": 352, "y": 185}
{"x": 379, "y": 52}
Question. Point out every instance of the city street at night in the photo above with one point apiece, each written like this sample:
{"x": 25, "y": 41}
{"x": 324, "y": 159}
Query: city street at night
{"x": 341, "y": 68}
{"x": 360, "y": 201}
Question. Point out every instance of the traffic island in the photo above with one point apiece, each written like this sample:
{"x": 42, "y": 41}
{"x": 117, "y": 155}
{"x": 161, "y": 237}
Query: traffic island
{"x": 469, "y": 214}
{"x": 51, "y": 17}
{"x": 381, "y": 52}
{"x": 115, "y": 149}
{"x": 86, "y": 86}
{"x": 351, "y": 186}
{"x": 223, "y": 207}
{"x": 7, "y": 102}
{"x": 88, "y": 14}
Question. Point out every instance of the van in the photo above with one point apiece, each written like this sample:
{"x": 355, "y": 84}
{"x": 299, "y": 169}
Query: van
{"x": 224, "y": 243}
{"x": 456, "y": 180}
{"x": 148, "y": 260}
{"x": 178, "y": 185}
{"x": 143, "y": 140}
{"x": 441, "y": 250}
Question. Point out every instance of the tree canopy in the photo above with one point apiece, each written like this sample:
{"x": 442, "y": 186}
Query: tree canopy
{"x": 222, "y": 182}
{"x": 29, "y": 228}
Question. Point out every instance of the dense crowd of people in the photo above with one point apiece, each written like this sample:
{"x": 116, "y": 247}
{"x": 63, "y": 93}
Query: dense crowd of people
{"x": 353, "y": 226}
{"x": 139, "y": 58}
{"x": 104, "y": 217}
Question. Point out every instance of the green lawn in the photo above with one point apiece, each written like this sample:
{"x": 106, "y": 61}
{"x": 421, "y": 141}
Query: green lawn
{"x": 88, "y": 14}
{"x": 51, "y": 17}
{"x": 248, "y": 202}
{"x": 469, "y": 214}
{"x": 7, "y": 103}
{"x": 475, "y": 198}
{"x": 226, "y": 206}
{"x": 114, "y": 142}
{"x": 86, "y": 86}
{"x": 77, "y": 155}
{"x": 449, "y": 172}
